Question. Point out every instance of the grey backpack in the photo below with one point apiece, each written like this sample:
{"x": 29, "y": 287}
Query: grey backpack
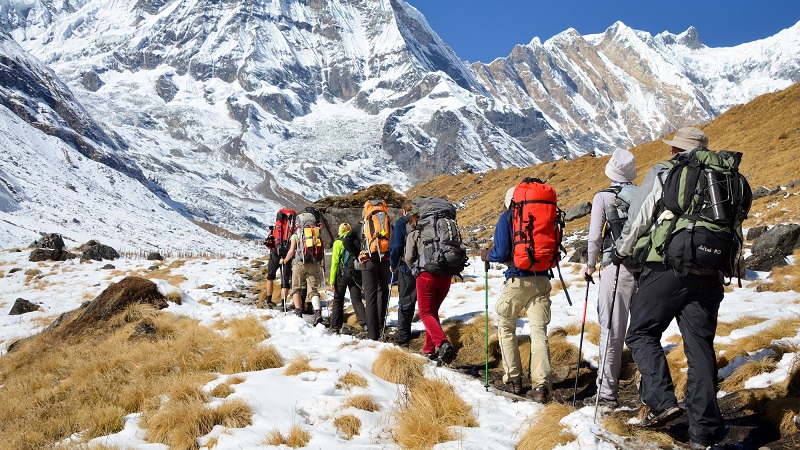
{"x": 442, "y": 252}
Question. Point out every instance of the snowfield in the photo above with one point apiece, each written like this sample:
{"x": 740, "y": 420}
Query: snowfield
{"x": 312, "y": 399}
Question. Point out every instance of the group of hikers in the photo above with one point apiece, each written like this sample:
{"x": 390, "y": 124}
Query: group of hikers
{"x": 664, "y": 250}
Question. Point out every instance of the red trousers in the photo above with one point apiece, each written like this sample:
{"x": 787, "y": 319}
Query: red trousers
{"x": 431, "y": 291}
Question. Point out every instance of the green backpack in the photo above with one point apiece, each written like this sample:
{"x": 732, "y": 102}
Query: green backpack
{"x": 708, "y": 200}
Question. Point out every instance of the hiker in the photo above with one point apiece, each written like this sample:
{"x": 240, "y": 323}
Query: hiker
{"x": 527, "y": 289}
{"x": 370, "y": 241}
{"x": 431, "y": 292}
{"x": 308, "y": 254}
{"x": 406, "y": 284}
{"x": 603, "y": 230}
{"x": 673, "y": 285}
{"x": 278, "y": 243}
{"x": 344, "y": 276}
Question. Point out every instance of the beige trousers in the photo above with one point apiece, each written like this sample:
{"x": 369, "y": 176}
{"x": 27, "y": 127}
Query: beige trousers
{"x": 532, "y": 293}
{"x": 305, "y": 276}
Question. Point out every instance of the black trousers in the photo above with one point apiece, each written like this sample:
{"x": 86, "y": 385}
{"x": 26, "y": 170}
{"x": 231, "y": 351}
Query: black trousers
{"x": 692, "y": 300}
{"x": 407, "y": 289}
{"x": 343, "y": 283}
{"x": 376, "y": 277}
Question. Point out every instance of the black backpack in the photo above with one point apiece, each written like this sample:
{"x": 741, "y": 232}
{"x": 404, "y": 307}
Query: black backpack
{"x": 443, "y": 252}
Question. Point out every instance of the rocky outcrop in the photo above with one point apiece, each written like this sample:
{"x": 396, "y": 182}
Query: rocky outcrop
{"x": 771, "y": 248}
{"x": 22, "y": 306}
{"x": 96, "y": 251}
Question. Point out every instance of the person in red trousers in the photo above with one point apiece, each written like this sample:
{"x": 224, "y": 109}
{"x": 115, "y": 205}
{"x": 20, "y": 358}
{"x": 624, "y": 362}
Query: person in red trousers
{"x": 431, "y": 292}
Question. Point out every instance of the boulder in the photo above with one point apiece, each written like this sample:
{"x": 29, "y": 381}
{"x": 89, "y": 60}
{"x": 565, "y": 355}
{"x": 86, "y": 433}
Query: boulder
{"x": 145, "y": 329}
{"x": 578, "y": 211}
{"x": 52, "y": 241}
{"x": 154, "y": 256}
{"x": 108, "y": 267}
{"x": 765, "y": 260}
{"x": 22, "y": 306}
{"x": 755, "y": 232}
{"x": 781, "y": 237}
{"x": 763, "y": 191}
{"x": 581, "y": 254}
{"x": 98, "y": 252}
{"x": 48, "y": 254}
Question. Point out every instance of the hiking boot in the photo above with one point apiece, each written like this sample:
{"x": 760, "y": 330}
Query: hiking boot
{"x": 298, "y": 312}
{"x": 317, "y": 317}
{"x": 336, "y": 330}
{"x": 514, "y": 387}
{"x": 659, "y": 418}
{"x": 431, "y": 356}
{"x": 447, "y": 353}
{"x": 603, "y": 403}
{"x": 271, "y": 305}
{"x": 539, "y": 394}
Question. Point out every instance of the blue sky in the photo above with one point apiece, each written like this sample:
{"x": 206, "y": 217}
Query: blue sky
{"x": 482, "y": 30}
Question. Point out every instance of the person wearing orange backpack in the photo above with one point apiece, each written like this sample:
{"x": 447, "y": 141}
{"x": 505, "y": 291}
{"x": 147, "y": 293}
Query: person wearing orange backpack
{"x": 370, "y": 241}
{"x": 527, "y": 283}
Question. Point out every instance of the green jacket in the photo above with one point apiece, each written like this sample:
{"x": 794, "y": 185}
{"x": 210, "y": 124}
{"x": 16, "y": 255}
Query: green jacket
{"x": 338, "y": 248}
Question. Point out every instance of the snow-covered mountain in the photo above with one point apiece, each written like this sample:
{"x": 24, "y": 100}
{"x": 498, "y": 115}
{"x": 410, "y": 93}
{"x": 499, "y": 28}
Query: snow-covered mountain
{"x": 230, "y": 109}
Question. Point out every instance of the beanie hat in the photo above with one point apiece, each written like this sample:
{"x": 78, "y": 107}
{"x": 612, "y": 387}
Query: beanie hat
{"x": 688, "y": 138}
{"x": 509, "y": 197}
{"x": 622, "y": 166}
{"x": 344, "y": 228}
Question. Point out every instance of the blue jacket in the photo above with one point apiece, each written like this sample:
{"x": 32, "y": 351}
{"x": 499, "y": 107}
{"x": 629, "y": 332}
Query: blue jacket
{"x": 397, "y": 245}
{"x": 503, "y": 250}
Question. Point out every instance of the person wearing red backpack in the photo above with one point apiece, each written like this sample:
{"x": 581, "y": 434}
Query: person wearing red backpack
{"x": 529, "y": 289}
{"x": 278, "y": 245}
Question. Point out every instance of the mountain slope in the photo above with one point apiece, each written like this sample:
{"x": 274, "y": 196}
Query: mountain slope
{"x": 766, "y": 130}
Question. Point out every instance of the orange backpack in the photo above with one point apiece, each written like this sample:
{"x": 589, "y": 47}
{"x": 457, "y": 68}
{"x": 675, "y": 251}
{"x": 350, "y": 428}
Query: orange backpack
{"x": 537, "y": 225}
{"x": 377, "y": 229}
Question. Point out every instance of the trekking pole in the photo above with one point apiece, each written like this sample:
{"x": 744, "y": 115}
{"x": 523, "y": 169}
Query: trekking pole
{"x": 564, "y": 285}
{"x": 386, "y": 309}
{"x": 589, "y": 280}
{"x": 486, "y": 347}
{"x": 605, "y": 350}
{"x": 283, "y": 295}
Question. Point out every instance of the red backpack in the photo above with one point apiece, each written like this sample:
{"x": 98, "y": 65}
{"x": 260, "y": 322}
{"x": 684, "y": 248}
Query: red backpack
{"x": 283, "y": 230}
{"x": 537, "y": 226}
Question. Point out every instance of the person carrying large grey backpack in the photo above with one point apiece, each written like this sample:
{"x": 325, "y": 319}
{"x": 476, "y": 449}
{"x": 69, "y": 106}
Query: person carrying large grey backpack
{"x": 609, "y": 212}
{"x": 686, "y": 229}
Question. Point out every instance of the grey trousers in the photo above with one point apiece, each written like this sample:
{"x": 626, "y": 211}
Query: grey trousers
{"x": 619, "y": 323}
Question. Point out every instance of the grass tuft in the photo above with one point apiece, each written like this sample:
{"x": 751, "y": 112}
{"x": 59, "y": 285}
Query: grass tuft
{"x": 398, "y": 366}
{"x": 234, "y": 413}
{"x": 426, "y": 412}
{"x": 349, "y": 425}
{"x": 618, "y": 424}
{"x": 301, "y": 364}
{"x": 544, "y": 431}
{"x": 725, "y": 328}
{"x": 351, "y": 380}
{"x": 746, "y": 371}
{"x": 363, "y": 402}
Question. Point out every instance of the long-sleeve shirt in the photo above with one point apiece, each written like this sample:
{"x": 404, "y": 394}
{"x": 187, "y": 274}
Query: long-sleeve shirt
{"x": 397, "y": 246}
{"x": 503, "y": 250}
{"x": 643, "y": 207}
{"x": 596, "y": 241}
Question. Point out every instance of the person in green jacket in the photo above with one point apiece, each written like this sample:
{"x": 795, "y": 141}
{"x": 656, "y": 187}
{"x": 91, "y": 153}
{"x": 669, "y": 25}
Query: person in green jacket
{"x": 344, "y": 276}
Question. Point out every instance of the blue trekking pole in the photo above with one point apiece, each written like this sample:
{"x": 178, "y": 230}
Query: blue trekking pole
{"x": 386, "y": 309}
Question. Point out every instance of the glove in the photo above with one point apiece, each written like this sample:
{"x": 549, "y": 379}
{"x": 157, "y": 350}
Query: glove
{"x": 485, "y": 255}
{"x": 587, "y": 272}
{"x": 616, "y": 258}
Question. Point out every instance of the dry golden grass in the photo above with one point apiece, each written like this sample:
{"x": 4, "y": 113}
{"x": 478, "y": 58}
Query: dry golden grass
{"x": 88, "y": 383}
{"x": 544, "y": 430}
{"x": 234, "y": 413}
{"x": 783, "y": 328}
{"x": 676, "y": 358}
{"x": 618, "y": 424}
{"x": 297, "y": 437}
{"x": 222, "y": 390}
{"x": 166, "y": 275}
{"x": 363, "y": 402}
{"x": 674, "y": 339}
{"x": 746, "y": 371}
{"x": 248, "y": 328}
{"x": 349, "y": 425}
{"x": 174, "y": 297}
{"x": 725, "y": 328}
{"x": 469, "y": 339}
{"x": 300, "y": 364}
{"x": 351, "y": 380}
{"x": 780, "y": 414}
{"x": 786, "y": 278}
{"x": 562, "y": 352}
{"x": 426, "y": 411}
{"x": 179, "y": 424}
{"x": 398, "y": 366}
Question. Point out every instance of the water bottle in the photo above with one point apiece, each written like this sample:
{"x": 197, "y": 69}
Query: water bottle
{"x": 615, "y": 222}
{"x": 718, "y": 205}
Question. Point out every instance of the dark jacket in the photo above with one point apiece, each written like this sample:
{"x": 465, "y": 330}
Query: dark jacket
{"x": 503, "y": 250}
{"x": 397, "y": 246}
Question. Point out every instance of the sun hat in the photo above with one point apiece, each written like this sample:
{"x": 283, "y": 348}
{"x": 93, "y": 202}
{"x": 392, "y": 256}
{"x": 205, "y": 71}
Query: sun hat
{"x": 688, "y": 138}
{"x": 509, "y": 196}
{"x": 344, "y": 227}
{"x": 622, "y": 166}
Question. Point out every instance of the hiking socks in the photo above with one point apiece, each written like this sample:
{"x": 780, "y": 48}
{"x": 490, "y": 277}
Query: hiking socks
{"x": 315, "y": 303}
